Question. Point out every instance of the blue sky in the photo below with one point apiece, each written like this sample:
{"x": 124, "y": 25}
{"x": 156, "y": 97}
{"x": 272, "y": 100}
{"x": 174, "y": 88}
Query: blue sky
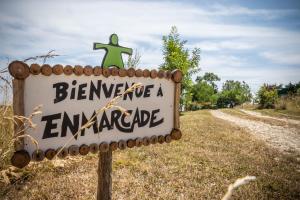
{"x": 254, "y": 41}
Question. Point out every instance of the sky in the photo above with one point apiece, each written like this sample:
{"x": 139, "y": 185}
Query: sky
{"x": 253, "y": 41}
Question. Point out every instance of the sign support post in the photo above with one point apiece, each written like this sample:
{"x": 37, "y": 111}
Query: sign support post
{"x": 104, "y": 175}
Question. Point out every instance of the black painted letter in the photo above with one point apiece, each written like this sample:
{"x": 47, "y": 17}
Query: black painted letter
{"x": 61, "y": 91}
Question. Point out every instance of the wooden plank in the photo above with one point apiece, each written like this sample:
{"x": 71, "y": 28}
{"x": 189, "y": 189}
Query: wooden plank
{"x": 104, "y": 176}
{"x": 18, "y": 107}
{"x": 177, "y": 105}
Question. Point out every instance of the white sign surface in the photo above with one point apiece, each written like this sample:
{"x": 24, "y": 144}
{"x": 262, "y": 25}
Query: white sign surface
{"x": 69, "y": 101}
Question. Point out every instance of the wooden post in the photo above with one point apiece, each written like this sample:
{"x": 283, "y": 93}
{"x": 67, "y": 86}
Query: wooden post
{"x": 18, "y": 107}
{"x": 177, "y": 105}
{"x": 104, "y": 175}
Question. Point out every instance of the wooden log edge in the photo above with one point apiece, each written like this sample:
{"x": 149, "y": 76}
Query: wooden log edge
{"x": 78, "y": 70}
{"x": 130, "y": 72}
{"x": 122, "y": 144}
{"x": 62, "y": 153}
{"x": 168, "y": 138}
{"x": 35, "y": 69}
{"x": 114, "y": 71}
{"x": 68, "y": 70}
{"x": 94, "y": 148}
{"x": 38, "y": 155}
{"x": 113, "y": 146}
{"x": 176, "y": 134}
{"x": 138, "y": 142}
{"x": 73, "y": 150}
{"x": 161, "y": 139}
{"x": 20, "y": 70}
{"x": 46, "y": 70}
{"x": 130, "y": 143}
{"x": 177, "y": 76}
{"x": 58, "y": 69}
{"x": 146, "y": 141}
{"x": 153, "y": 74}
{"x": 20, "y": 159}
{"x": 84, "y": 149}
{"x": 105, "y": 72}
{"x": 104, "y": 147}
{"x": 153, "y": 139}
{"x": 50, "y": 154}
{"x": 88, "y": 70}
{"x": 97, "y": 71}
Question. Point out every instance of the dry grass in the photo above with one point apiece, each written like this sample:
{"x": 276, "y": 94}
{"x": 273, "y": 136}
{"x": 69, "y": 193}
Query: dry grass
{"x": 6, "y": 136}
{"x": 211, "y": 155}
{"x": 286, "y": 107}
{"x": 280, "y": 113}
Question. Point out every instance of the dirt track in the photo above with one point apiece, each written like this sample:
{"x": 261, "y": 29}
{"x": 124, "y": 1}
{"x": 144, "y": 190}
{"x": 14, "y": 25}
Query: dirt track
{"x": 282, "y": 138}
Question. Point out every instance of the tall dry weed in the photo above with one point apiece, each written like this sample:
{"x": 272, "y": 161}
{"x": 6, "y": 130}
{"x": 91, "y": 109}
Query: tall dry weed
{"x": 6, "y": 135}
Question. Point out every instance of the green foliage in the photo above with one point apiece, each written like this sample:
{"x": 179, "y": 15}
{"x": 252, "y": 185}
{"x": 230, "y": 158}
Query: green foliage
{"x": 289, "y": 89}
{"x": 234, "y": 93}
{"x": 205, "y": 90}
{"x": 176, "y": 56}
{"x": 267, "y": 96}
{"x": 210, "y": 78}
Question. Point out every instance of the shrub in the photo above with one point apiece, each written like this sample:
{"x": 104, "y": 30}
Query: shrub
{"x": 267, "y": 96}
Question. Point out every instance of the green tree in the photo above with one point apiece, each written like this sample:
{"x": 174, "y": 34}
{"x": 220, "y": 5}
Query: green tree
{"x": 267, "y": 96}
{"x": 211, "y": 78}
{"x": 176, "y": 56}
{"x": 289, "y": 89}
{"x": 205, "y": 90}
{"x": 234, "y": 93}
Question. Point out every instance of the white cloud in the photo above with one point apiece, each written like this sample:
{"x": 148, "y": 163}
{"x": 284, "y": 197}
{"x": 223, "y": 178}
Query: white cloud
{"x": 283, "y": 57}
{"x": 225, "y": 45}
{"x": 244, "y": 11}
{"x": 35, "y": 27}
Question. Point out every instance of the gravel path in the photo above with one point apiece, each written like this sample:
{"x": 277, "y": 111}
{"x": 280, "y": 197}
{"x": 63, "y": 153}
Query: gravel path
{"x": 282, "y": 138}
{"x": 257, "y": 114}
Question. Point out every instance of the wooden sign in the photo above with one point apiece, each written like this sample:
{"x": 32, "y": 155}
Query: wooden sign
{"x": 71, "y": 96}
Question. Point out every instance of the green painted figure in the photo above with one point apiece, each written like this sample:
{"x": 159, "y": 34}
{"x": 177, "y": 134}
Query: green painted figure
{"x": 113, "y": 55}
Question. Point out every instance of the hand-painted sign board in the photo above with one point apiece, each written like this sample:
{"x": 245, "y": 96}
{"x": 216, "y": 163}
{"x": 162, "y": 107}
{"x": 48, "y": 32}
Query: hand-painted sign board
{"x": 71, "y": 96}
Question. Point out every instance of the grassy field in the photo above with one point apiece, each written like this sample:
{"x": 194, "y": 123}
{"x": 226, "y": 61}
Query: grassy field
{"x": 211, "y": 155}
{"x": 280, "y": 113}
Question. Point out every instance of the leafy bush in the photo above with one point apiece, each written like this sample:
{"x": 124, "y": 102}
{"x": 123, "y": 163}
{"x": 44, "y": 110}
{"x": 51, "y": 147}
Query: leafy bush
{"x": 267, "y": 96}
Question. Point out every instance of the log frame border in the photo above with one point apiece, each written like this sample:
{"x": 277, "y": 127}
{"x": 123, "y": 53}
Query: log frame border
{"x": 20, "y": 71}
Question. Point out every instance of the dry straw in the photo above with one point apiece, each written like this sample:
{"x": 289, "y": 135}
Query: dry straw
{"x": 28, "y": 124}
{"x": 239, "y": 182}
